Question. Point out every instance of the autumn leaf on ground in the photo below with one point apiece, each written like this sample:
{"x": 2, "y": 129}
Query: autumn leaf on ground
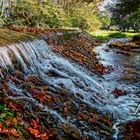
{"x": 33, "y": 131}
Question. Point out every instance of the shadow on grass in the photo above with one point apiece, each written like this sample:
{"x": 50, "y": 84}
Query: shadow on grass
{"x": 118, "y": 35}
{"x": 136, "y": 37}
{"x": 107, "y": 35}
{"x": 104, "y": 38}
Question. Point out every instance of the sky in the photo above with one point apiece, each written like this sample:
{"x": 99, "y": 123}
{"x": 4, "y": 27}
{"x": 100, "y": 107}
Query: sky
{"x": 104, "y": 4}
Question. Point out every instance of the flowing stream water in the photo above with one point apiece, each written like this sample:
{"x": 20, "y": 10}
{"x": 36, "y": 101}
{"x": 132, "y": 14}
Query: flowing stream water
{"x": 36, "y": 58}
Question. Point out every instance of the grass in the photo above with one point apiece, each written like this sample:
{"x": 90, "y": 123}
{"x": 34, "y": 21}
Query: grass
{"x": 106, "y": 35}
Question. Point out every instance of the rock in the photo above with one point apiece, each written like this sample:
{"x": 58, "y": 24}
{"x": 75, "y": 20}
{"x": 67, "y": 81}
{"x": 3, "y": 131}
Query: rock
{"x": 116, "y": 44}
{"x": 70, "y": 130}
{"x": 19, "y": 75}
{"x": 74, "y": 108}
{"x": 33, "y": 79}
{"x": 83, "y": 116}
{"x": 131, "y": 130}
{"x": 118, "y": 92}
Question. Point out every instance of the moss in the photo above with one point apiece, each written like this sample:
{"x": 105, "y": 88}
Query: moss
{"x": 67, "y": 36}
{"x": 9, "y": 37}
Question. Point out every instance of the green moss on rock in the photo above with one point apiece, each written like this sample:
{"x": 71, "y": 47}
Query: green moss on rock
{"x": 9, "y": 37}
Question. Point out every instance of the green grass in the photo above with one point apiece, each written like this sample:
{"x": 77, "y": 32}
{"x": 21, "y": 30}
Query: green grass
{"x": 106, "y": 35}
{"x": 118, "y": 35}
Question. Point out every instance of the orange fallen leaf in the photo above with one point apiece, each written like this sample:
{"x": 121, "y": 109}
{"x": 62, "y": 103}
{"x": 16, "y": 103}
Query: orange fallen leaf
{"x": 14, "y": 132}
{"x": 33, "y": 131}
{"x": 10, "y": 131}
{"x": 43, "y": 136}
{"x": 15, "y": 121}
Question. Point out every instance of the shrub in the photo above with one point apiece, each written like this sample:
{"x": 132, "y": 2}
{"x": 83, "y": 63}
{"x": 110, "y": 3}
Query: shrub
{"x": 117, "y": 35}
{"x": 34, "y": 13}
{"x": 136, "y": 37}
{"x": 78, "y": 21}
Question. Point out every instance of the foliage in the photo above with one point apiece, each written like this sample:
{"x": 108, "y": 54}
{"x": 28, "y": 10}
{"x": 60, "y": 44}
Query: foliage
{"x": 51, "y": 14}
{"x": 30, "y": 13}
{"x": 136, "y": 37}
{"x": 126, "y": 15}
{"x": 105, "y": 19}
{"x": 117, "y": 35}
{"x": 85, "y": 19}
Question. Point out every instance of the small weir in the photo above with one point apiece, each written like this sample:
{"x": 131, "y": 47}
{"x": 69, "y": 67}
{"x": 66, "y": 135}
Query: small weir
{"x": 82, "y": 87}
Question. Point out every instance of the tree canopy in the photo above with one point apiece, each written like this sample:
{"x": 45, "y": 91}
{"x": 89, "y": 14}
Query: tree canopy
{"x": 126, "y": 14}
{"x": 84, "y": 14}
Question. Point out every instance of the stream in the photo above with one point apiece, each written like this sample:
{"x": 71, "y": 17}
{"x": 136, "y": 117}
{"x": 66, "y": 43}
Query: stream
{"x": 83, "y": 87}
{"x": 125, "y": 76}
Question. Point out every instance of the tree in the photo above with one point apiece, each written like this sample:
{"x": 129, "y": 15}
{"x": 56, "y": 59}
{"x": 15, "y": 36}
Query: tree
{"x": 125, "y": 14}
{"x": 51, "y": 13}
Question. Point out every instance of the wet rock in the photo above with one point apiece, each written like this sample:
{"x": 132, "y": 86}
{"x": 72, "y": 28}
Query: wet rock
{"x": 118, "y": 92}
{"x": 33, "y": 79}
{"x": 83, "y": 116}
{"x": 131, "y": 130}
{"x": 123, "y": 52}
{"x": 116, "y": 44}
{"x": 27, "y": 85}
{"x": 73, "y": 108}
{"x": 15, "y": 80}
{"x": 127, "y": 46}
{"x": 19, "y": 75}
{"x": 70, "y": 130}
{"x": 2, "y": 73}
{"x": 80, "y": 50}
{"x": 133, "y": 45}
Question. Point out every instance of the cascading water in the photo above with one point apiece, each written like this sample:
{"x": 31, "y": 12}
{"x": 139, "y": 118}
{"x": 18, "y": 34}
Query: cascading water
{"x": 36, "y": 58}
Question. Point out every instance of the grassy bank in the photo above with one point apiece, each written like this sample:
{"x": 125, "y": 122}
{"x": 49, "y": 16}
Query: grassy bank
{"x": 106, "y": 35}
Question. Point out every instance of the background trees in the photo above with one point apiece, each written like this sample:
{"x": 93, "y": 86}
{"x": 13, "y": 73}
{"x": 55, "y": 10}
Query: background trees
{"x": 83, "y": 14}
{"x": 126, "y": 14}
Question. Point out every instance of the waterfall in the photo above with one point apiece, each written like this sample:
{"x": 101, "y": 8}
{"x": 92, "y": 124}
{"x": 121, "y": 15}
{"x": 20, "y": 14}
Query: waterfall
{"x": 36, "y": 57}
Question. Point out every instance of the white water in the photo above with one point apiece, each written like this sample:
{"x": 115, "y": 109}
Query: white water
{"x": 36, "y": 58}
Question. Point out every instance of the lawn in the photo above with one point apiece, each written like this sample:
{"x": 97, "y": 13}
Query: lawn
{"x": 106, "y": 35}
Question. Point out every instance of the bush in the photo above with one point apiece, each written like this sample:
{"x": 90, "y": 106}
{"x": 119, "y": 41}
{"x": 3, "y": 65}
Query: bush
{"x": 136, "y": 37}
{"x": 117, "y": 35}
{"x": 78, "y": 21}
{"x": 32, "y": 13}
